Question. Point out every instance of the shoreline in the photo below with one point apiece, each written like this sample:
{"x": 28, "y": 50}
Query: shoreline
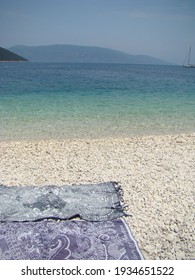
{"x": 101, "y": 138}
{"x": 155, "y": 172}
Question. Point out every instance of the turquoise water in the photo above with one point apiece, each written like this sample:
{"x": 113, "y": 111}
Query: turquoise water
{"x": 58, "y": 100}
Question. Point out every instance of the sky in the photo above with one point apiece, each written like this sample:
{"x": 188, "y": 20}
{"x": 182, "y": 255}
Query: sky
{"x": 161, "y": 28}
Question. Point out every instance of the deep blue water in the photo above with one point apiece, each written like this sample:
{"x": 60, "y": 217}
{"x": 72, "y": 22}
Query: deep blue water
{"x": 59, "y": 100}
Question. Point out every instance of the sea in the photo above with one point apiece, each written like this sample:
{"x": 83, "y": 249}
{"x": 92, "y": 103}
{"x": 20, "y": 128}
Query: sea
{"x": 40, "y": 101}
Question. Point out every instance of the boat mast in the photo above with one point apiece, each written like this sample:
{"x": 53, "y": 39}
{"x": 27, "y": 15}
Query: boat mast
{"x": 189, "y": 56}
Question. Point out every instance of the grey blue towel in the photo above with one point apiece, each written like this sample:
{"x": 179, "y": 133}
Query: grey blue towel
{"x": 93, "y": 202}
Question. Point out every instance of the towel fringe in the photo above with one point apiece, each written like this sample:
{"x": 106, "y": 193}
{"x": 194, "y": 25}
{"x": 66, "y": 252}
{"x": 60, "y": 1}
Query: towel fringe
{"x": 120, "y": 206}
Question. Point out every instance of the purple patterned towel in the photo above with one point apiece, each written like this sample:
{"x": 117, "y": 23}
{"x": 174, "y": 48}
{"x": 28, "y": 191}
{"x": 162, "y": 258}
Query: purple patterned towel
{"x": 67, "y": 240}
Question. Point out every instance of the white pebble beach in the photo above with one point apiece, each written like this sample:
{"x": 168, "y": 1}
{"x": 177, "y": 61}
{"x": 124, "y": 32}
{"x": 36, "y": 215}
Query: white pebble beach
{"x": 157, "y": 174}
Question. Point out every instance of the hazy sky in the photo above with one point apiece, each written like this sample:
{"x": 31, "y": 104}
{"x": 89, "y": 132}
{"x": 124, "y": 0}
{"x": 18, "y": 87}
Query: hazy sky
{"x": 160, "y": 28}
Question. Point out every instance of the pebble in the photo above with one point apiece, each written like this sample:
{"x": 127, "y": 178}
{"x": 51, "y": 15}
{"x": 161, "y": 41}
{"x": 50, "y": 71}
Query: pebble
{"x": 180, "y": 255}
{"x": 170, "y": 237}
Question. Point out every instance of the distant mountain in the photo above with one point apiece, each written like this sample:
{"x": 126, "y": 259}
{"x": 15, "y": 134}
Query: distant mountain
{"x": 81, "y": 54}
{"x": 6, "y": 55}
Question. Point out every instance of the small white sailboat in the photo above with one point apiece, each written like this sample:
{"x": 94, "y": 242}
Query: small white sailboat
{"x": 189, "y": 65}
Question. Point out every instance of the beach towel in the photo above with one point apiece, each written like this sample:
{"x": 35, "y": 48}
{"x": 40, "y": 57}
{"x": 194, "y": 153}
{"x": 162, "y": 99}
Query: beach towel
{"x": 67, "y": 240}
{"x": 93, "y": 202}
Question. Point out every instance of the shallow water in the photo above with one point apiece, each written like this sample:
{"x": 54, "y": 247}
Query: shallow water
{"x": 59, "y": 100}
